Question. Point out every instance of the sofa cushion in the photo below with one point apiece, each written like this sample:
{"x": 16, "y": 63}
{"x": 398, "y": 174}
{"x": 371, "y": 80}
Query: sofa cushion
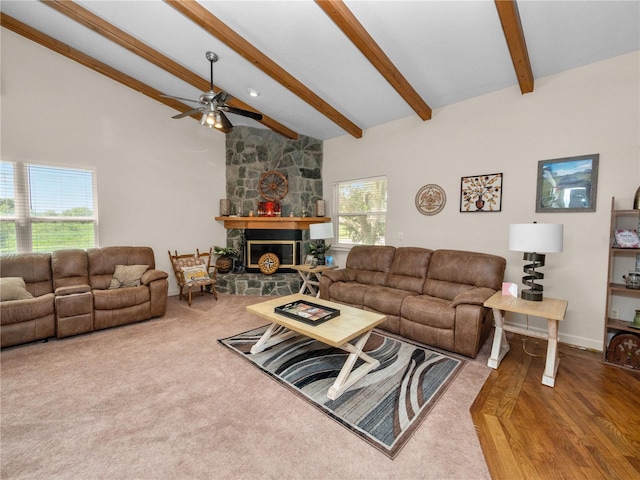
{"x": 349, "y": 293}
{"x": 385, "y": 300}
{"x": 127, "y": 276}
{"x": 13, "y": 288}
{"x": 409, "y": 269}
{"x": 69, "y": 267}
{"x": 16, "y": 311}
{"x": 370, "y": 264}
{"x": 102, "y": 262}
{"x": 120, "y": 298}
{"x": 33, "y": 268}
{"x": 452, "y": 272}
{"x": 432, "y": 311}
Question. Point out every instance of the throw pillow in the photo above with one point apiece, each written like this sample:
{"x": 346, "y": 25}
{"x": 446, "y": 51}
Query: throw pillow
{"x": 13, "y": 288}
{"x": 195, "y": 273}
{"x": 127, "y": 276}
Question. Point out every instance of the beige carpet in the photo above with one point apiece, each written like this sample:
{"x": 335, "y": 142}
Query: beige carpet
{"x": 163, "y": 400}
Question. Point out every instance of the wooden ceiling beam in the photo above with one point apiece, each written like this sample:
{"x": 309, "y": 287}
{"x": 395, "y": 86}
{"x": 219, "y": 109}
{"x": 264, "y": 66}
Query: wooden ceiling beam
{"x": 214, "y": 26}
{"x": 113, "y": 33}
{"x": 353, "y": 29}
{"x": 65, "y": 50}
{"x": 514, "y": 34}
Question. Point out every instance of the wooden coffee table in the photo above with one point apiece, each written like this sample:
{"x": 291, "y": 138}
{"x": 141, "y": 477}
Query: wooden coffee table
{"x": 352, "y": 324}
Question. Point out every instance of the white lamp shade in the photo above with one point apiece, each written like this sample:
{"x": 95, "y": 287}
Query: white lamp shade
{"x": 320, "y": 231}
{"x": 536, "y": 237}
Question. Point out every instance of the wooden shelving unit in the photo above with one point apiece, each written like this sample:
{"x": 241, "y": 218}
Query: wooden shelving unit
{"x": 621, "y": 261}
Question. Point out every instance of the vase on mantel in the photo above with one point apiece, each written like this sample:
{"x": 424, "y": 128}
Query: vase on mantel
{"x": 636, "y": 200}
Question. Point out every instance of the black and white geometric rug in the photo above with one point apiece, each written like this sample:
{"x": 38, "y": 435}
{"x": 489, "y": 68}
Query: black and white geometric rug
{"x": 385, "y": 407}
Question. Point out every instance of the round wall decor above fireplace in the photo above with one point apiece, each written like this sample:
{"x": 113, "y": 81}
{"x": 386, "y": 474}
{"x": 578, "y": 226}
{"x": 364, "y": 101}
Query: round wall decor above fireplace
{"x": 273, "y": 186}
{"x": 268, "y": 263}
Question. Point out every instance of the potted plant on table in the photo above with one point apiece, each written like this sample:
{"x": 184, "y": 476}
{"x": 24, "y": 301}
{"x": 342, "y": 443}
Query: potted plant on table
{"x": 224, "y": 262}
{"x": 318, "y": 250}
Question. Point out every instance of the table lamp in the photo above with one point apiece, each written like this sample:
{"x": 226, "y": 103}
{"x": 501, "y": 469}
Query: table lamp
{"x": 319, "y": 232}
{"x": 535, "y": 239}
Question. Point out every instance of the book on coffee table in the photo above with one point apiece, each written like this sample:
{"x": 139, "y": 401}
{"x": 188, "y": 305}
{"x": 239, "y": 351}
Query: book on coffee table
{"x": 307, "y": 312}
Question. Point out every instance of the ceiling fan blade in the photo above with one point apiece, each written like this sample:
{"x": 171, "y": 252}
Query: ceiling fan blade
{"x": 187, "y": 113}
{"x": 244, "y": 113}
{"x": 179, "y": 98}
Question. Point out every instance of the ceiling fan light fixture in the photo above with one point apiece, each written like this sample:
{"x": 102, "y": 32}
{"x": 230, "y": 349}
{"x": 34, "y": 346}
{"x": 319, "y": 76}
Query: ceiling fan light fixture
{"x": 208, "y": 119}
{"x": 218, "y": 121}
{"x": 212, "y": 104}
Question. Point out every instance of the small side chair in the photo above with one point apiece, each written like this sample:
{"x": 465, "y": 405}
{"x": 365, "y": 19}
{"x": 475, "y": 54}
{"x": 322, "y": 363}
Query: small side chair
{"x": 194, "y": 272}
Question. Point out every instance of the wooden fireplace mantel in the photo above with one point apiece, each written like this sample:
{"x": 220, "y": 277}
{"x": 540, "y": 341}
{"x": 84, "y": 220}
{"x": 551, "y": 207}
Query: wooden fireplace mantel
{"x": 271, "y": 223}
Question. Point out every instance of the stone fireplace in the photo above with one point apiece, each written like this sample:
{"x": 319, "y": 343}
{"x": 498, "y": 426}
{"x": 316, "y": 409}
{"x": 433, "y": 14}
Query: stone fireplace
{"x": 250, "y": 152}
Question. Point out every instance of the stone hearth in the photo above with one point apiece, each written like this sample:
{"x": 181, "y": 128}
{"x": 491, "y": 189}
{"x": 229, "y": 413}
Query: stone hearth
{"x": 258, "y": 283}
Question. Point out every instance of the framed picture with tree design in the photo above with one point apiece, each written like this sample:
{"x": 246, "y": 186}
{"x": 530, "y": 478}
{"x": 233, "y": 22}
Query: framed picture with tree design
{"x": 481, "y": 193}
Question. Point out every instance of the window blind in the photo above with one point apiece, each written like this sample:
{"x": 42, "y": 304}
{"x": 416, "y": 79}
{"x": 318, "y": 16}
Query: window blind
{"x": 360, "y": 207}
{"x": 44, "y": 208}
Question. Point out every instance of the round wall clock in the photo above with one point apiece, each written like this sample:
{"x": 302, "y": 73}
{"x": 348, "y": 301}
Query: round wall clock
{"x": 268, "y": 263}
{"x": 273, "y": 186}
{"x": 430, "y": 199}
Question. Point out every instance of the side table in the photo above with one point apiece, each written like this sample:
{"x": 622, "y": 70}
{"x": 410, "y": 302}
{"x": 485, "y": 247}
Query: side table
{"x": 552, "y": 309}
{"x": 307, "y": 272}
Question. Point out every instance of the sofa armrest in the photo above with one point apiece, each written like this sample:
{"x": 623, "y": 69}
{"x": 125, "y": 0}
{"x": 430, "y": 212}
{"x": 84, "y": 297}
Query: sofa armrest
{"x": 72, "y": 290}
{"x": 341, "y": 275}
{"x": 474, "y": 296}
{"x": 153, "y": 275}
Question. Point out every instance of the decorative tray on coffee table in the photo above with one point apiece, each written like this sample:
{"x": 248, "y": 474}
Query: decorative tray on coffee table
{"x": 307, "y": 312}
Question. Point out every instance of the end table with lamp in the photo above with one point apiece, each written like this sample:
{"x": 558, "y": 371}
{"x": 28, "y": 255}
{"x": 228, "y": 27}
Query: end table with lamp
{"x": 535, "y": 239}
{"x": 311, "y": 277}
{"x": 552, "y": 309}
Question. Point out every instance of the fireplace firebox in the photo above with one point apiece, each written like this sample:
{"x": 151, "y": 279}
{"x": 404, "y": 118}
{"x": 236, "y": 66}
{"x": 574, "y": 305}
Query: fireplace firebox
{"x": 285, "y": 244}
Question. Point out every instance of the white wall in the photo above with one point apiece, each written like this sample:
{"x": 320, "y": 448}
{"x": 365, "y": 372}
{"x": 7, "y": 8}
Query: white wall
{"x": 159, "y": 179}
{"x": 593, "y": 109}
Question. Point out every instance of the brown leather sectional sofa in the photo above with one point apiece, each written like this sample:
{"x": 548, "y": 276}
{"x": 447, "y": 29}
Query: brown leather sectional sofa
{"x": 433, "y": 297}
{"x": 71, "y": 293}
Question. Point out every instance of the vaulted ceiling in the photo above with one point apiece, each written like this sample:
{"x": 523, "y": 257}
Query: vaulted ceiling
{"x": 329, "y": 68}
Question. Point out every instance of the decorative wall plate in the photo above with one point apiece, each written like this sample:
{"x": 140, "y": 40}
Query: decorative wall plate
{"x": 430, "y": 199}
{"x": 268, "y": 263}
{"x": 273, "y": 186}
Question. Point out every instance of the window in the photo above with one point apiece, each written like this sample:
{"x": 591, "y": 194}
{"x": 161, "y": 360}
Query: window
{"x": 45, "y": 208}
{"x": 360, "y": 207}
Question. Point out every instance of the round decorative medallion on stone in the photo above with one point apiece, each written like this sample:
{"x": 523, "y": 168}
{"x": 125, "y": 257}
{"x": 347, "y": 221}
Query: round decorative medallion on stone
{"x": 273, "y": 186}
{"x": 268, "y": 263}
{"x": 430, "y": 199}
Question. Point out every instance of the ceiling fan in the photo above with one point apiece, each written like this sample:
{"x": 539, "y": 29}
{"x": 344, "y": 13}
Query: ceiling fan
{"x": 213, "y": 105}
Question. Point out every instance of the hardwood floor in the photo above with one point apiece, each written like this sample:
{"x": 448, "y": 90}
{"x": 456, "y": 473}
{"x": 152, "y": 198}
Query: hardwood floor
{"x": 586, "y": 427}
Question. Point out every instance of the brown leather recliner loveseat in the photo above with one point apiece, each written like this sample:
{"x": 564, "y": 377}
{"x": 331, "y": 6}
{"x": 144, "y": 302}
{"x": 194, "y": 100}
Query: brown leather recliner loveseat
{"x": 432, "y": 297}
{"x": 77, "y": 291}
